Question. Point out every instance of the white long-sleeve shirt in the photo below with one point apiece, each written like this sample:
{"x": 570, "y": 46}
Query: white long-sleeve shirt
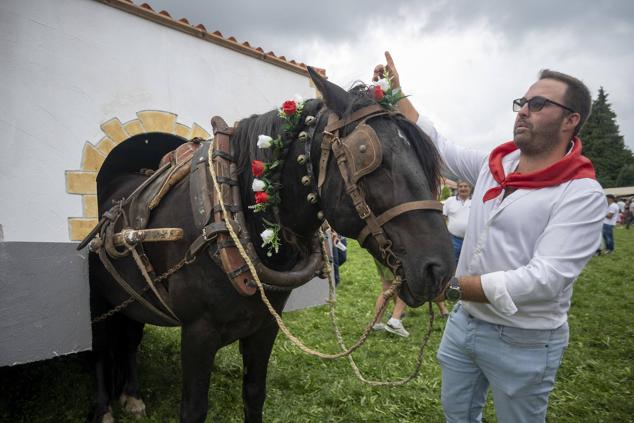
{"x": 529, "y": 247}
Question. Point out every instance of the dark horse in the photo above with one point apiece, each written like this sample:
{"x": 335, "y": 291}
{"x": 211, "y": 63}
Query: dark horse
{"x": 211, "y": 312}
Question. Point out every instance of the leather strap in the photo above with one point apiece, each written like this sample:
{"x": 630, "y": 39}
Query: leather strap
{"x": 326, "y": 145}
{"x": 357, "y": 196}
{"x": 133, "y": 293}
{"x": 398, "y": 210}
{"x": 374, "y": 225}
{"x": 363, "y": 113}
{"x": 226, "y": 177}
{"x": 127, "y": 201}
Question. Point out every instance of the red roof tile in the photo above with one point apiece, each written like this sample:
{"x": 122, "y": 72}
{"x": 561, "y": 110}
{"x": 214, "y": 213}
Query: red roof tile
{"x": 163, "y": 17}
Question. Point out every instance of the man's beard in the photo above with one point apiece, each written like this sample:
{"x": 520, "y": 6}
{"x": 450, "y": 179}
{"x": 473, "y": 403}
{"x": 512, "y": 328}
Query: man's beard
{"x": 537, "y": 142}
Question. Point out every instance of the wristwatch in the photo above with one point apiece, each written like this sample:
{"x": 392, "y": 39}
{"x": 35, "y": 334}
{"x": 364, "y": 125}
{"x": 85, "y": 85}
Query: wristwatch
{"x": 453, "y": 292}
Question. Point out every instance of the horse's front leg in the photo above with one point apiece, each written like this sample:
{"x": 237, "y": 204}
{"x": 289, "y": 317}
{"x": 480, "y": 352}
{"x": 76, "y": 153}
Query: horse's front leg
{"x": 256, "y": 350}
{"x": 199, "y": 343}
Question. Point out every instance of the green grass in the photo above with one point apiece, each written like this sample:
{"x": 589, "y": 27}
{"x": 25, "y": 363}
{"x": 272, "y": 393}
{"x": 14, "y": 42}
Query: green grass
{"x": 594, "y": 383}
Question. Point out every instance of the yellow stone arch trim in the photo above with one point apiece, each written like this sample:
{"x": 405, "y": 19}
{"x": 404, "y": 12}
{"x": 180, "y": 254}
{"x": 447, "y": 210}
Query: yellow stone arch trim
{"x": 84, "y": 181}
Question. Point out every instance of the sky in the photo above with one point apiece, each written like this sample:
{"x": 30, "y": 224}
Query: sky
{"x": 462, "y": 61}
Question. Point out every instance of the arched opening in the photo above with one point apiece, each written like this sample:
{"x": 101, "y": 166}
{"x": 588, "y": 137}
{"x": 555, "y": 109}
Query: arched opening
{"x": 125, "y": 147}
{"x": 143, "y": 151}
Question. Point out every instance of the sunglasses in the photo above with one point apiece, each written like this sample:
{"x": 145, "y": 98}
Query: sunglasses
{"x": 536, "y": 103}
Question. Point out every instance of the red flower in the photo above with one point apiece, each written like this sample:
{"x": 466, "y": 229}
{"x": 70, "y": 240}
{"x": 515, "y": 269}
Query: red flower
{"x": 378, "y": 93}
{"x": 257, "y": 167}
{"x": 289, "y": 107}
{"x": 261, "y": 197}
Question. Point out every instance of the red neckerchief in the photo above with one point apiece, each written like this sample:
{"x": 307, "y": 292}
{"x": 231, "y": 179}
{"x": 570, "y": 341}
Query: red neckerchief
{"x": 572, "y": 166}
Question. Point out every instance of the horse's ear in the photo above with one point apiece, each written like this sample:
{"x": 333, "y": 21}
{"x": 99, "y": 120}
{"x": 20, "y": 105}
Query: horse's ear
{"x": 336, "y": 98}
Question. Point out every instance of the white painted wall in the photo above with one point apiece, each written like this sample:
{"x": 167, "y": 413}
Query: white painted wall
{"x": 66, "y": 66}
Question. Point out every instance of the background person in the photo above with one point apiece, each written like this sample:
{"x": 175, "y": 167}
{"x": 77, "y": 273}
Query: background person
{"x": 630, "y": 207}
{"x": 394, "y": 324}
{"x": 456, "y": 210}
{"x": 608, "y": 224}
{"x": 339, "y": 254}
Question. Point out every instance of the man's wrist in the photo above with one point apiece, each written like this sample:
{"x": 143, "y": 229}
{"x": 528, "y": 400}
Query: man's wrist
{"x": 453, "y": 291}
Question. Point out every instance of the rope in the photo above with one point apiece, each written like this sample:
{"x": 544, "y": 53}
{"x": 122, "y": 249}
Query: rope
{"x": 340, "y": 341}
{"x": 296, "y": 341}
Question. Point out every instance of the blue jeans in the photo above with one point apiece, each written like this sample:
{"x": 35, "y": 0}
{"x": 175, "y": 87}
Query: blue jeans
{"x": 608, "y": 236}
{"x": 457, "y": 246}
{"x": 520, "y": 365}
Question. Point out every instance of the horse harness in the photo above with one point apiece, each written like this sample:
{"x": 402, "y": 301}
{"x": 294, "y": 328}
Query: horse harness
{"x": 359, "y": 154}
{"x": 132, "y": 214}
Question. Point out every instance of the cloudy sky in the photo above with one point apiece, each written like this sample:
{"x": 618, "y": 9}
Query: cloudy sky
{"x": 462, "y": 61}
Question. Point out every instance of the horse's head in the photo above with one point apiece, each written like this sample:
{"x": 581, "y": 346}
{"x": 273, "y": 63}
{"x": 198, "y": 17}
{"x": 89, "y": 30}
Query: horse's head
{"x": 380, "y": 163}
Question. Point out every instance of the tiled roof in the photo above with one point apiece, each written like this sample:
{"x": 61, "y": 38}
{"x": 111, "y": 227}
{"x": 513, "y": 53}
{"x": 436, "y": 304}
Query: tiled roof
{"x": 164, "y": 18}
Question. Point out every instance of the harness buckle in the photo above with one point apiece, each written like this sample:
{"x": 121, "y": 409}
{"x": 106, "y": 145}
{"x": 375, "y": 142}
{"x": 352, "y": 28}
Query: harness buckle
{"x": 363, "y": 210}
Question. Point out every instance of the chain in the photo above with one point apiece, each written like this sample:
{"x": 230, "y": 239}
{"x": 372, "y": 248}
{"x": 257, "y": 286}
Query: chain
{"x": 130, "y": 300}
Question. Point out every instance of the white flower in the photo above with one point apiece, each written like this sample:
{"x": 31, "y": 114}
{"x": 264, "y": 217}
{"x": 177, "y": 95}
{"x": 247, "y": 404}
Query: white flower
{"x": 384, "y": 84}
{"x": 298, "y": 99}
{"x": 267, "y": 236}
{"x": 264, "y": 141}
{"x": 258, "y": 185}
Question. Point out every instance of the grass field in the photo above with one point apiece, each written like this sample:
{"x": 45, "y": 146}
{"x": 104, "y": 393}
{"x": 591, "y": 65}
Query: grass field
{"x": 594, "y": 383}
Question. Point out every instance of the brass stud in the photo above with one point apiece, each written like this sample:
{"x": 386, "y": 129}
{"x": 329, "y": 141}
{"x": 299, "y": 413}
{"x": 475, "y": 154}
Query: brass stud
{"x": 306, "y": 180}
{"x": 310, "y": 120}
{"x": 303, "y": 136}
{"x": 301, "y": 159}
{"x": 320, "y": 215}
{"x": 363, "y": 148}
{"x": 312, "y": 198}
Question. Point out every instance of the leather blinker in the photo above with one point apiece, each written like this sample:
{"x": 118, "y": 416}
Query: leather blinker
{"x": 363, "y": 151}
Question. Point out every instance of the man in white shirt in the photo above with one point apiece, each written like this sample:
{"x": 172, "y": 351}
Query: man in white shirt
{"x": 456, "y": 210}
{"x": 608, "y": 224}
{"x": 535, "y": 213}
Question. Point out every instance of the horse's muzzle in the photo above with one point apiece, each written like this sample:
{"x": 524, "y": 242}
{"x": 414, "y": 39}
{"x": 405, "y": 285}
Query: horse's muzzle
{"x": 425, "y": 283}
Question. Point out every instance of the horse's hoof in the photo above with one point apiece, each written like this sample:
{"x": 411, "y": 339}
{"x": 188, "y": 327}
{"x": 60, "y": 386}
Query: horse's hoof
{"x": 108, "y": 417}
{"x": 131, "y": 405}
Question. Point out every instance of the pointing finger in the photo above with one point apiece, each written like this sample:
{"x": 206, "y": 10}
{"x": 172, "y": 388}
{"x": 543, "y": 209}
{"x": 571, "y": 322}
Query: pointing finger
{"x": 388, "y": 58}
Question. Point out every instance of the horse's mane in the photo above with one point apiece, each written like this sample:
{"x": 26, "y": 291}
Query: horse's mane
{"x": 426, "y": 152}
{"x": 246, "y": 150}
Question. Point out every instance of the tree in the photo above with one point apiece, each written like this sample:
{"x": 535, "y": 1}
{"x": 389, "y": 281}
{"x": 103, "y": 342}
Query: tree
{"x": 626, "y": 177}
{"x": 604, "y": 145}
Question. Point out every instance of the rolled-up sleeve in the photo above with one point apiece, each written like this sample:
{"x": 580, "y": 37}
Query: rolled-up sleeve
{"x": 463, "y": 162}
{"x": 561, "y": 252}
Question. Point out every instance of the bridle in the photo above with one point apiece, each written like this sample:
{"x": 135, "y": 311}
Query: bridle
{"x": 359, "y": 154}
